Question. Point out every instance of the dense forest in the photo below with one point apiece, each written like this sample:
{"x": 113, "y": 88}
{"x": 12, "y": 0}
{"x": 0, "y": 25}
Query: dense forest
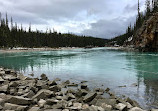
{"x": 151, "y": 6}
{"x": 13, "y": 36}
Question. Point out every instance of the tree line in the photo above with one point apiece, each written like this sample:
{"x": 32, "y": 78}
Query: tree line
{"x": 151, "y": 6}
{"x": 13, "y": 36}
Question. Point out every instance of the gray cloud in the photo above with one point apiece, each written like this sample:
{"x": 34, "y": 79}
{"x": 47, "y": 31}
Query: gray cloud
{"x": 101, "y": 18}
{"x": 109, "y": 28}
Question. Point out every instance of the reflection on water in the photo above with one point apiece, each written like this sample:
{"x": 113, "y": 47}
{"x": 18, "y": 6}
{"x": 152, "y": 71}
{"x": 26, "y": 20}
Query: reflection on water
{"x": 99, "y": 66}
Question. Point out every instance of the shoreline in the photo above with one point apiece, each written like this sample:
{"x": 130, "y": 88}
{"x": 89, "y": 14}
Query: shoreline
{"x": 22, "y": 93}
{"x": 35, "y": 49}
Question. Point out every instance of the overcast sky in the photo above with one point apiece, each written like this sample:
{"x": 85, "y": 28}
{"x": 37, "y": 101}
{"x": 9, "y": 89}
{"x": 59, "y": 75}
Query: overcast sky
{"x": 98, "y": 18}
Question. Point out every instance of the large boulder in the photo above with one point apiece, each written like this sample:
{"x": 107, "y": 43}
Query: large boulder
{"x": 43, "y": 94}
{"x": 35, "y": 109}
{"x": 44, "y": 77}
{"x": 14, "y": 107}
{"x": 19, "y": 100}
{"x": 121, "y": 107}
{"x": 89, "y": 97}
{"x": 136, "y": 109}
{"x": 4, "y": 89}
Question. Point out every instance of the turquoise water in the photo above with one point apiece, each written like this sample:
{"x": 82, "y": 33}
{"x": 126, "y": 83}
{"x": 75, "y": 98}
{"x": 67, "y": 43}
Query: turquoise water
{"x": 99, "y": 66}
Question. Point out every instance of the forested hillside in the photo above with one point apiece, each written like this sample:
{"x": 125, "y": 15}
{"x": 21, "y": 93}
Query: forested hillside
{"x": 133, "y": 29}
{"x": 13, "y": 36}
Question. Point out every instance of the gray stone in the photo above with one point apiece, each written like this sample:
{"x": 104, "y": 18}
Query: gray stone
{"x": 93, "y": 108}
{"x": 70, "y": 96}
{"x": 53, "y": 110}
{"x": 29, "y": 94}
{"x": 154, "y": 109}
{"x": 1, "y": 80}
{"x": 13, "y": 84}
{"x": 51, "y": 101}
{"x": 43, "y": 94}
{"x": 7, "y": 71}
{"x": 41, "y": 103}
{"x": 121, "y": 107}
{"x": 111, "y": 102}
{"x": 35, "y": 109}
{"x": 136, "y": 109}
{"x": 9, "y": 106}
{"x": 55, "y": 88}
{"x": 72, "y": 85}
{"x": 44, "y": 77}
{"x": 52, "y": 83}
{"x": 2, "y": 101}
{"x": 101, "y": 109}
{"x": 10, "y": 77}
{"x": 83, "y": 86}
{"x": 77, "y": 105}
{"x": 132, "y": 102}
{"x": 20, "y": 100}
{"x": 85, "y": 106}
{"x": 4, "y": 89}
{"x": 106, "y": 107}
{"x": 89, "y": 97}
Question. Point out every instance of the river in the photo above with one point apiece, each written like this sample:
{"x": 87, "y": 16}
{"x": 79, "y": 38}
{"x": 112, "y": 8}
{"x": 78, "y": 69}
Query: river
{"x": 101, "y": 67}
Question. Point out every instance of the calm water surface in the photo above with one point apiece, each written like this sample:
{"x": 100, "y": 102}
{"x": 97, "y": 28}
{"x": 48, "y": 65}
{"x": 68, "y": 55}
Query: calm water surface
{"x": 100, "y": 66}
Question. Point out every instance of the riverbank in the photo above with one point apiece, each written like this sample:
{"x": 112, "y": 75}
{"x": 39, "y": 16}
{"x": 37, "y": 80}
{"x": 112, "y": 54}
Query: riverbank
{"x": 22, "y": 93}
{"x": 34, "y": 49}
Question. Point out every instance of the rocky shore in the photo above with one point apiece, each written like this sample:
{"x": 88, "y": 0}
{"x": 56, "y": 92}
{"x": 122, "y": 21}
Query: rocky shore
{"x": 22, "y": 93}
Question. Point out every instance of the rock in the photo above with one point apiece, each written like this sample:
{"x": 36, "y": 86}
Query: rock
{"x": 122, "y": 86}
{"x": 136, "y": 109}
{"x": 7, "y": 71}
{"x": 121, "y": 107}
{"x": 4, "y": 89}
{"x": 83, "y": 86}
{"x": 35, "y": 109}
{"x": 12, "y": 91}
{"x": 100, "y": 109}
{"x": 77, "y": 105}
{"x": 135, "y": 84}
{"x": 31, "y": 74}
{"x": 2, "y": 101}
{"x": 43, "y": 94}
{"x": 154, "y": 109}
{"x": 89, "y": 97}
{"x": 44, "y": 77}
{"x": 55, "y": 88}
{"x": 70, "y": 96}
{"x": 19, "y": 100}
{"x": 107, "y": 89}
{"x": 41, "y": 103}
{"x": 51, "y": 101}
{"x": 10, "y": 77}
{"x": 72, "y": 85}
{"x": 83, "y": 81}
{"x": 106, "y": 107}
{"x": 13, "y": 84}
{"x": 132, "y": 102}
{"x": 67, "y": 82}
{"x": 30, "y": 94}
{"x": 53, "y": 110}
{"x": 93, "y": 108}
{"x": 57, "y": 79}
{"x": 71, "y": 91}
{"x": 9, "y": 106}
{"x": 81, "y": 92}
{"x": 111, "y": 102}
{"x": 52, "y": 83}
{"x": 1, "y": 80}
{"x": 65, "y": 110}
{"x": 85, "y": 106}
